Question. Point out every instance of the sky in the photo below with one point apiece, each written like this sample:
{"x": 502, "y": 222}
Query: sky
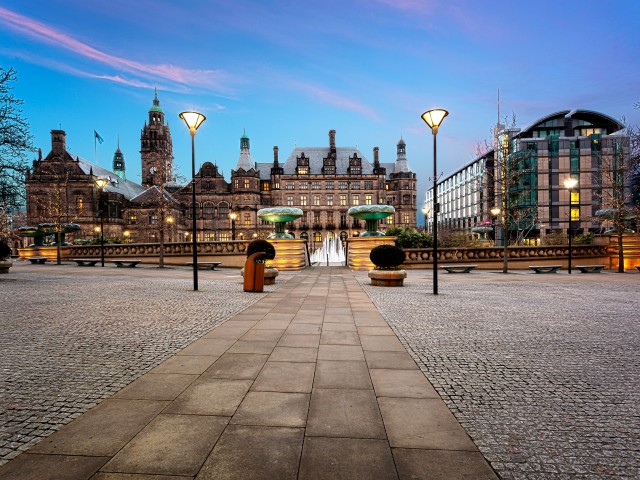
{"x": 287, "y": 72}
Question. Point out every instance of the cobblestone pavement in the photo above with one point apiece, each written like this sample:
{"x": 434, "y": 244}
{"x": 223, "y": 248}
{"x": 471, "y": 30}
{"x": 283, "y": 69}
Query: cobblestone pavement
{"x": 73, "y": 336}
{"x": 542, "y": 371}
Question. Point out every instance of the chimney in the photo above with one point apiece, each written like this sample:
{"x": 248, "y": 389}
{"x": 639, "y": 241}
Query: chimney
{"x": 376, "y": 161}
{"x": 275, "y": 156}
{"x": 332, "y": 141}
{"x": 58, "y": 142}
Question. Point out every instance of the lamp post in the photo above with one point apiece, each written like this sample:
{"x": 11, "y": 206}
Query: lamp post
{"x": 425, "y": 212}
{"x": 495, "y": 211}
{"x": 233, "y": 216}
{"x": 570, "y": 184}
{"x": 101, "y": 183}
{"x": 193, "y": 121}
{"x": 434, "y": 118}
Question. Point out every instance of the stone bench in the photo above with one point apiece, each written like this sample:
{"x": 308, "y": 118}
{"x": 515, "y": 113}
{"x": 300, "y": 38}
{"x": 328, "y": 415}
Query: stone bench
{"x": 86, "y": 262}
{"x": 458, "y": 268}
{"x": 38, "y": 260}
{"x": 590, "y": 268}
{"x": 125, "y": 263}
{"x": 545, "y": 268}
{"x": 211, "y": 265}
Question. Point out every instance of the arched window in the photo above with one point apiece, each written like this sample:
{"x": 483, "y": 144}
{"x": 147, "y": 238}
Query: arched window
{"x": 208, "y": 211}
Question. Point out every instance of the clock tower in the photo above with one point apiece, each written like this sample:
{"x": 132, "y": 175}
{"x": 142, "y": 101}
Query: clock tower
{"x": 156, "y": 148}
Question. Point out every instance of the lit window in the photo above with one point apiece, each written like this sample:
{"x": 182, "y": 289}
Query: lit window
{"x": 368, "y": 199}
{"x": 355, "y": 200}
{"x": 290, "y": 200}
{"x": 79, "y": 205}
{"x": 304, "y": 185}
{"x": 303, "y": 170}
{"x": 316, "y": 199}
{"x": 303, "y": 199}
{"x": 343, "y": 200}
{"x": 330, "y": 200}
{"x": 247, "y": 219}
{"x": 246, "y": 183}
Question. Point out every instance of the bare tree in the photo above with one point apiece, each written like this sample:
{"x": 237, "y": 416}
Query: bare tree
{"x": 617, "y": 183}
{"x": 15, "y": 143}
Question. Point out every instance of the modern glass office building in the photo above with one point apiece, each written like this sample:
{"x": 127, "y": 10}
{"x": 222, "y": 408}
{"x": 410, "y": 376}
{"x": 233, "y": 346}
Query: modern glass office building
{"x": 524, "y": 176}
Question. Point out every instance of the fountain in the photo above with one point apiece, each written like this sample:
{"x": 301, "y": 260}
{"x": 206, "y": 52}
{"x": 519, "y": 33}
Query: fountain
{"x": 331, "y": 251}
{"x": 279, "y": 216}
{"x": 371, "y": 214}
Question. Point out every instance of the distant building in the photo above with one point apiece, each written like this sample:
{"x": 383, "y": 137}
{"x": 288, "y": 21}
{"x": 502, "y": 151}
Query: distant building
{"x": 576, "y": 143}
{"x": 322, "y": 181}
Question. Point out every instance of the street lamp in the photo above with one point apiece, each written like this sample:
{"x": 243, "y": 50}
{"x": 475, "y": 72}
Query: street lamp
{"x": 495, "y": 211}
{"x": 101, "y": 183}
{"x": 570, "y": 184}
{"x": 233, "y": 216}
{"x": 193, "y": 121}
{"x": 434, "y": 118}
{"x": 425, "y": 212}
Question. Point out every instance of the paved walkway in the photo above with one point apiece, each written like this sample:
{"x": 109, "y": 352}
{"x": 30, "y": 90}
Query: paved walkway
{"x": 309, "y": 382}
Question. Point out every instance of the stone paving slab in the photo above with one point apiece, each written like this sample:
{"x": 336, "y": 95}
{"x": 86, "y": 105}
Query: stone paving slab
{"x": 396, "y": 424}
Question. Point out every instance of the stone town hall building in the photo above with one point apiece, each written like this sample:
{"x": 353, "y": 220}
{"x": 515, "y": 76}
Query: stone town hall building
{"x": 322, "y": 181}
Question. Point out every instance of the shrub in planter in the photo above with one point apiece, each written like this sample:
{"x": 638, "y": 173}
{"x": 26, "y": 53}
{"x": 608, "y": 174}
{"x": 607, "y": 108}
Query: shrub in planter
{"x": 262, "y": 246}
{"x": 387, "y": 257}
{"x": 5, "y": 251}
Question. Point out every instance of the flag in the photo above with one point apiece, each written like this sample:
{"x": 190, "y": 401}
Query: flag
{"x": 98, "y": 137}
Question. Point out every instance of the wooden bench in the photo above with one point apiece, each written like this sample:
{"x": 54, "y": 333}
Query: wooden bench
{"x": 86, "y": 262}
{"x": 211, "y": 265}
{"x": 590, "y": 268}
{"x": 545, "y": 268}
{"x": 125, "y": 263}
{"x": 459, "y": 268}
{"x": 38, "y": 260}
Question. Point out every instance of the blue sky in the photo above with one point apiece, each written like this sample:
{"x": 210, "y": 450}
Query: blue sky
{"x": 289, "y": 71}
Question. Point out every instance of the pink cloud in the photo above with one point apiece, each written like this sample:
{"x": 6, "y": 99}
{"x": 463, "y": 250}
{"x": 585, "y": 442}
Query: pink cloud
{"x": 213, "y": 79}
{"x": 333, "y": 98}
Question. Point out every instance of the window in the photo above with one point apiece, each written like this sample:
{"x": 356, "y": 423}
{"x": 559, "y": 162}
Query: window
{"x": 134, "y": 219}
{"x": 316, "y": 217}
{"x": 290, "y": 200}
{"x": 208, "y": 211}
{"x": 368, "y": 185}
{"x": 343, "y": 200}
{"x": 328, "y": 185}
{"x": 355, "y": 185}
{"x": 368, "y": 199}
{"x": 289, "y": 186}
{"x": 303, "y": 170}
{"x": 266, "y": 187}
{"x": 247, "y": 219}
{"x": 303, "y": 199}
{"x": 304, "y": 185}
{"x": 153, "y": 219}
{"x": 329, "y": 170}
{"x": 316, "y": 185}
{"x": 317, "y": 237}
{"x": 342, "y": 185}
{"x": 79, "y": 204}
{"x": 236, "y": 183}
{"x": 575, "y": 214}
{"x": 316, "y": 200}
{"x": 209, "y": 237}
{"x": 406, "y": 217}
{"x": 223, "y": 210}
{"x": 356, "y": 170}
{"x": 390, "y": 220}
{"x": 330, "y": 200}
{"x": 355, "y": 200}
{"x": 246, "y": 183}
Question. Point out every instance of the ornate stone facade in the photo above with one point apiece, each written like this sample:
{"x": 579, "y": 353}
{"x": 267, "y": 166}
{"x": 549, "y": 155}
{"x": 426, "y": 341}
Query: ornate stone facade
{"x": 322, "y": 181}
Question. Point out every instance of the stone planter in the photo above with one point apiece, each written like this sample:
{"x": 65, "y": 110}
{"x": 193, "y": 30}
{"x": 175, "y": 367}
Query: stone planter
{"x": 387, "y": 278}
{"x": 270, "y": 275}
{"x": 5, "y": 265}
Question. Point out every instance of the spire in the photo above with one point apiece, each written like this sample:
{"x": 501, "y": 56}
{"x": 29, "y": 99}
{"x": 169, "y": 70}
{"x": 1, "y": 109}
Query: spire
{"x": 401, "y": 158}
{"x": 245, "y": 161}
{"x": 118, "y": 162}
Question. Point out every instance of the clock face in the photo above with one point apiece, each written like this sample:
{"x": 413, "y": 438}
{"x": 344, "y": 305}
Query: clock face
{"x": 153, "y": 170}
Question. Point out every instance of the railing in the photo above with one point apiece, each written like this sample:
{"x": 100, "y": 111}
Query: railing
{"x": 236, "y": 247}
{"x": 416, "y": 257}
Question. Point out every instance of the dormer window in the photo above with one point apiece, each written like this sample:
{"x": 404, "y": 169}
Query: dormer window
{"x": 303, "y": 170}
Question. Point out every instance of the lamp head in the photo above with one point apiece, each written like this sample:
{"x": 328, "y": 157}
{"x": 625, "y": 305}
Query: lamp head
{"x": 233, "y": 216}
{"x": 495, "y": 211}
{"x": 570, "y": 183}
{"x": 192, "y": 119}
{"x": 101, "y": 183}
{"x": 434, "y": 118}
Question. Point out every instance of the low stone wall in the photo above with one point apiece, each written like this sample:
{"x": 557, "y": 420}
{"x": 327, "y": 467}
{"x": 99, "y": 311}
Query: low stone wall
{"x": 492, "y": 258}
